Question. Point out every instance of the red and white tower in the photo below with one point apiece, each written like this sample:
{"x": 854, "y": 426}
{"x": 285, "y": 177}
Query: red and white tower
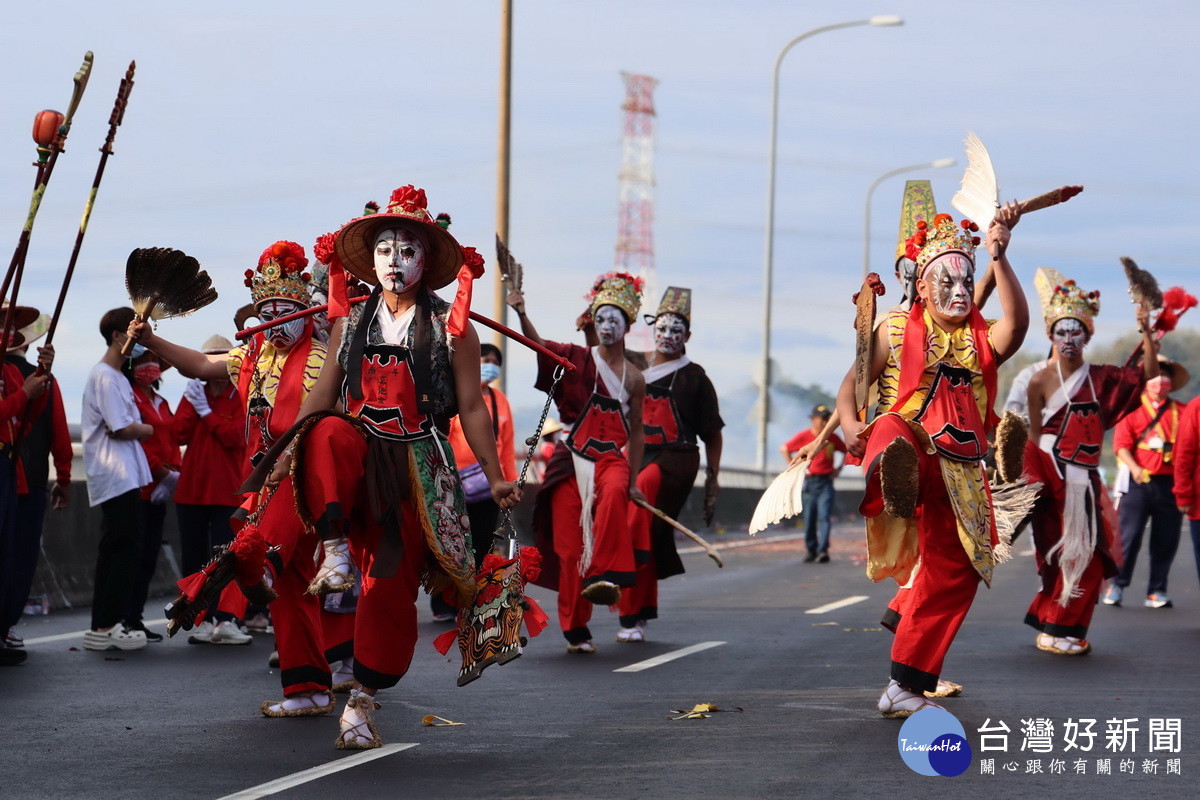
{"x": 635, "y": 223}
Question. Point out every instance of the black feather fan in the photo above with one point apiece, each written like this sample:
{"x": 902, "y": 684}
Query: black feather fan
{"x": 166, "y": 283}
{"x": 1142, "y": 285}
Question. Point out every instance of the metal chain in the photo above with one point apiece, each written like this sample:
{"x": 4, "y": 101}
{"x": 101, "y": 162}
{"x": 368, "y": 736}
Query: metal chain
{"x": 531, "y": 443}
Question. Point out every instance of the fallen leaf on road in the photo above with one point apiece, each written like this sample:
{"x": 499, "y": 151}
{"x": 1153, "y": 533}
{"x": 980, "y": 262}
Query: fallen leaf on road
{"x": 438, "y": 722}
{"x": 700, "y": 711}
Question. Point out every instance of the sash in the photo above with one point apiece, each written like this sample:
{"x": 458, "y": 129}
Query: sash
{"x": 656, "y": 371}
{"x": 605, "y": 373}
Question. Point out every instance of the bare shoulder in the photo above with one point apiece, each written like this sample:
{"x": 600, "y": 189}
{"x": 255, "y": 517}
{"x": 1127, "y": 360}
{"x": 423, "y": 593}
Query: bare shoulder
{"x": 635, "y": 382}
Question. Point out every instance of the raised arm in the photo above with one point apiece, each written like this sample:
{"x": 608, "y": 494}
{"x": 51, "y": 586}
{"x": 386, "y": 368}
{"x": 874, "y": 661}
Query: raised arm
{"x": 1150, "y": 366}
{"x": 189, "y": 362}
{"x": 1008, "y": 334}
{"x": 516, "y": 300}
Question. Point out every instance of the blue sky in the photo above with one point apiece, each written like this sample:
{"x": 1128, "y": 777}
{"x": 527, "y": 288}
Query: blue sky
{"x": 256, "y": 122}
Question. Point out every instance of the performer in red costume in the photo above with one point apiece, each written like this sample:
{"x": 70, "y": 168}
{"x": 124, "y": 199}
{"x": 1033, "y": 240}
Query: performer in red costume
{"x": 680, "y": 408}
{"x": 582, "y": 507}
{"x": 273, "y": 374}
{"x": 927, "y": 497}
{"x": 378, "y": 483}
{"x": 1071, "y": 405}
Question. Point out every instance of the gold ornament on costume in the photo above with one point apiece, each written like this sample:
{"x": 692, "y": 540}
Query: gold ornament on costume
{"x": 280, "y": 275}
{"x": 939, "y": 237}
{"x": 917, "y": 205}
{"x": 675, "y": 300}
{"x": 1063, "y": 299}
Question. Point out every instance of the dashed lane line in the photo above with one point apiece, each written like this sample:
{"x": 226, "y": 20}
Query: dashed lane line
{"x": 835, "y": 605}
{"x": 671, "y": 656}
{"x": 304, "y": 776}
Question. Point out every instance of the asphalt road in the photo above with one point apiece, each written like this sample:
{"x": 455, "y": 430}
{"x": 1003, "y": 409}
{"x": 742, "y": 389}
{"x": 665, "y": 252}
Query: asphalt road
{"x": 180, "y": 721}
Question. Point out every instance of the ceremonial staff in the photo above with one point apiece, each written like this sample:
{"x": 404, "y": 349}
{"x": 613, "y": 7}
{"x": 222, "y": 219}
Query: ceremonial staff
{"x": 115, "y": 119}
{"x": 48, "y": 151}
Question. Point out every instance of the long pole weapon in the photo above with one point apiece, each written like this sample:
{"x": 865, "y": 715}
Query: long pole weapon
{"x": 47, "y": 158}
{"x": 242, "y": 335}
{"x": 115, "y": 119}
{"x": 708, "y": 548}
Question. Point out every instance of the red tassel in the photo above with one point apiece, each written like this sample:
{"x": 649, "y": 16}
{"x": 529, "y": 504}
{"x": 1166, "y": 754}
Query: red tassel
{"x": 444, "y": 642}
{"x": 535, "y": 618}
{"x": 232, "y": 601}
{"x": 191, "y": 585}
{"x": 339, "y": 301}
{"x": 472, "y": 269}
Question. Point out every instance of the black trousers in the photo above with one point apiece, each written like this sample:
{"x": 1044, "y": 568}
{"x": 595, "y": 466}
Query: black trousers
{"x": 201, "y": 528}
{"x": 1153, "y": 502}
{"x": 154, "y": 517}
{"x": 117, "y": 558}
{"x": 19, "y": 560}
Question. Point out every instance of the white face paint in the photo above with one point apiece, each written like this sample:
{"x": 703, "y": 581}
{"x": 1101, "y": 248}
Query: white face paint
{"x": 399, "y": 259}
{"x": 670, "y": 332}
{"x": 320, "y": 320}
{"x": 1069, "y": 337}
{"x": 951, "y": 284}
{"x": 282, "y": 337}
{"x": 610, "y": 324}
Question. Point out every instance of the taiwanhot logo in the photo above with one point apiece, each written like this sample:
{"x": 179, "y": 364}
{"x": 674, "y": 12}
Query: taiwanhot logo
{"x": 932, "y": 742}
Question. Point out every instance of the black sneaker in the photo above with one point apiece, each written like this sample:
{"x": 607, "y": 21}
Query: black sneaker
{"x": 151, "y": 636}
{"x": 11, "y": 656}
{"x": 810, "y": 557}
{"x": 823, "y": 558}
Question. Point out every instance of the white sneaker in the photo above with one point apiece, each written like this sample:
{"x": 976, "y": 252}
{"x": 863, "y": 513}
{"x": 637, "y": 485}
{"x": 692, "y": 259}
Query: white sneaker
{"x": 118, "y": 637}
{"x": 202, "y": 633}
{"x": 227, "y": 632}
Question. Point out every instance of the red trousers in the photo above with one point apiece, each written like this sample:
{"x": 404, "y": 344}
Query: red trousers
{"x": 385, "y": 625}
{"x": 612, "y": 551}
{"x": 929, "y": 614}
{"x": 306, "y": 635}
{"x": 640, "y": 601}
{"x": 1048, "y": 616}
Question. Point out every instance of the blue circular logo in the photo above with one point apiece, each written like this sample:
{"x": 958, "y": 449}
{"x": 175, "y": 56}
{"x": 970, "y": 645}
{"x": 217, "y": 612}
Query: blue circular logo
{"x": 932, "y": 742}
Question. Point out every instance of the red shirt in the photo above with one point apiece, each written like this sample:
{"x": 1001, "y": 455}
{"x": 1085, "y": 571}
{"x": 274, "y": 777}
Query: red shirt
{"x": 1187, "y": 459}
{"x": 161, "y": 450}
{"x": 822, "y": 462}
{"x": 14, "y": 408}
{"x": 465, "y": 457}
{"x": 1148, "y": 451}
{"x": 214, "y": 464}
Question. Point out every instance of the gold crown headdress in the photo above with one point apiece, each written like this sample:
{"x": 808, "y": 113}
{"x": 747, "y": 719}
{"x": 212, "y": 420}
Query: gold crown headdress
{"x": 1063, "y": 299}
{"x": 280, "y": 275}
{"x": 939, "y": 237}
{"x": 618, "y": 289}
{"x": 675, "y": 300}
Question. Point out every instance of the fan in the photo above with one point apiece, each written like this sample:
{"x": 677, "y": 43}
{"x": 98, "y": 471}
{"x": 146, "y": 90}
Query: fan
{"x": 165, "y": 283}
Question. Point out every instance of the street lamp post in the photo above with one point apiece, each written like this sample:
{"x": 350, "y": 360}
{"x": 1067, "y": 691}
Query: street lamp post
{"x": 939, "y": 164}
{"x": 764, "y": 410}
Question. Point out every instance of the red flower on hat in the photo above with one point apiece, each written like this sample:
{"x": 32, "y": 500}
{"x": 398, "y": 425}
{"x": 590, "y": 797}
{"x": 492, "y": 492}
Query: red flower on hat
{"x": 408, "y": 198}
{"x": 288, "y": 255}
{"x": 323, "y": 248}
{"x": 473, "y": 261}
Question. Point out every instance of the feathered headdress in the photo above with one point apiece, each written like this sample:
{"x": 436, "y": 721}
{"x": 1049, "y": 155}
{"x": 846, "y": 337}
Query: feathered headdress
{"x": 618, "y": 289}
{"x": 280, "y": 275}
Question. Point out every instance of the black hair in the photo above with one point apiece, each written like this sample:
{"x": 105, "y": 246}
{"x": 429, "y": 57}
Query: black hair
{"x": 486, "y": 349}
{"x": 115, "y": 320}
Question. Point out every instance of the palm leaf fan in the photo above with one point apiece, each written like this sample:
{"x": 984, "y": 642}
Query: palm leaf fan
{"x": 1142, "y": 285}
{"x": 782, "y": 499}
{"x": 163, "y": 283}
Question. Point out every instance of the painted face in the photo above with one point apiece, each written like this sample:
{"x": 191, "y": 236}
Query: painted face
{"x": 399, "y": 259}
{"x": 1069, "y": 337}
{"x": 951, "y": 283}
{"x": 320, "y": 320}
{"x": 282, "y": 337}
{"x": 670, "y": 332}
{"x": 610, "y": 324}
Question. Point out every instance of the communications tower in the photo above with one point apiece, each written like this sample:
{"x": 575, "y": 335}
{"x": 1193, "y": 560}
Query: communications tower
{"x": 635, "y": 222}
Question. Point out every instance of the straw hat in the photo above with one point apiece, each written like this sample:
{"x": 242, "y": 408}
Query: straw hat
{"x": 216, "y": 345}
{"x": 552, "y": 426}
{"x": 407, "y": 209}
{"x": 1179, "y": 373}
{"x": 28, "y": 334}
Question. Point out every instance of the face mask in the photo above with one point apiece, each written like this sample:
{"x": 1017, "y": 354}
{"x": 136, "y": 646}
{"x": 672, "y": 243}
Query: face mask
{"x": 489, "y": 372}
{"x": 147, "y": 373}
{"x": 610, "y": 324}
{"x": 1159, "y": 387}
{"x": 137, "y": 351}
{"x": 399, "y": 259}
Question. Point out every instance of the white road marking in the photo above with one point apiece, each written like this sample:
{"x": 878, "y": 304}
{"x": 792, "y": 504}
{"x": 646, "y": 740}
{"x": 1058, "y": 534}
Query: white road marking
{"x": 304, "y": 776}
{"x": 848, "y": 601}
{"x": 671, "y": 656}
{"x": 62, "y": 637}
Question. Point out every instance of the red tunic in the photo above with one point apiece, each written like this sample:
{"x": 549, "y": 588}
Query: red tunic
{"x": 822, "y": 462}
{"x": 1148, "y": 453}
{"x": 160, "y": 447}
{"x": 13, "y": 408}
{"x": 1187, "y": 460}
{"x": 214, "y": 463}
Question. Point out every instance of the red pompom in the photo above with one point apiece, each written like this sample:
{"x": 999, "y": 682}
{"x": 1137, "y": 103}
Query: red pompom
{"x": 531, "y": 563}
{"x": 408, "y": 198}
{"x": 249, "y": 548}
{"x": 921, "y": 225}
{"x": 473, "y": 261}
{"x": 288, "y": 255}
{"x": 975, "y": 240}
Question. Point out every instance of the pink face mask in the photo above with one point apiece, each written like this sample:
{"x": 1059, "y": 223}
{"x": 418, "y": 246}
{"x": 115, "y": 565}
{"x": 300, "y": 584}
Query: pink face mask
{"x": 147, "y": 373}
{"x": 1158, "y": 387}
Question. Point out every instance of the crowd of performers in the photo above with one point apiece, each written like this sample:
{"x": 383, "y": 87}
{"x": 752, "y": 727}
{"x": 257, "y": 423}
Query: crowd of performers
{"x": 375, "y": 460}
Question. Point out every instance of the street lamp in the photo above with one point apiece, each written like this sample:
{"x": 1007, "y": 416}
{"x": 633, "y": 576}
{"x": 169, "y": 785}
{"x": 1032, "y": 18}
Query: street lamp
{"x": 764, "y": 399}
{"x": 939, "y": 164}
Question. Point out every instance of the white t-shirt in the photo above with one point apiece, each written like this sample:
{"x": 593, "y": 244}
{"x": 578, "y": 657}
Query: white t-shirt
{"x": 1018, "y": 395}
{"x": 113, "y": 466}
